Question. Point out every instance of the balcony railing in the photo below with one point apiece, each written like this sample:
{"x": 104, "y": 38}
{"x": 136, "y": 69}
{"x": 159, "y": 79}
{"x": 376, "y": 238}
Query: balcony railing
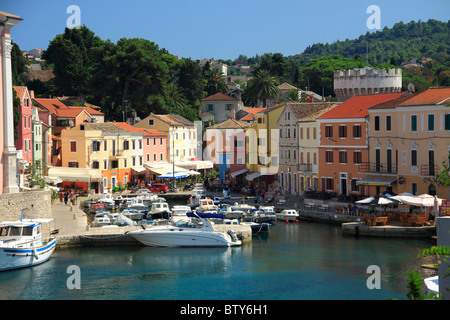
{"x": 428, "y": 170}
{"x": 377, "y": 167}
{"x": 305, "y": 167}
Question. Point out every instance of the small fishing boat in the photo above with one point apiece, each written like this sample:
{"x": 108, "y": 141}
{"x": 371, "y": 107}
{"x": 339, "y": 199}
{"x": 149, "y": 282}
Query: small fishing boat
{"x": 101, "y": 220}
{"x": 95, "y": 207}
{"x": 133, "y": 214}
{"x": 21, "y": 244}
{"x": 288, "y": 214}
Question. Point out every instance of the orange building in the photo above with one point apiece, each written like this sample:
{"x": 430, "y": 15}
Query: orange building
{"x": 343, "y": 144}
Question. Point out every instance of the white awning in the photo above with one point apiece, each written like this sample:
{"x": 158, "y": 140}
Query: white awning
{"x": 239, "y": 172}
{"x": 163, "y": 168}
{"x": 253, "y": 175}
{"x": 195, "y": 165}
{"x": 75, "y": 174}
{"x": 139, "y": 169}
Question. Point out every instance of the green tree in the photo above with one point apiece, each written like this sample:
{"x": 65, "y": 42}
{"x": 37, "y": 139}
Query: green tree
{"x": 262, "y": 87}
{"x": 132, "y": 74}
{"x": 70, "y": 53}
{"x": 215, "y": 82}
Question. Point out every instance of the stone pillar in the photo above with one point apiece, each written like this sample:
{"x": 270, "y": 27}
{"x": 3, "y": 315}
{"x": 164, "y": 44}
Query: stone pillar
{"x": 9, "y": 150}
{"x": 443, "y": 239}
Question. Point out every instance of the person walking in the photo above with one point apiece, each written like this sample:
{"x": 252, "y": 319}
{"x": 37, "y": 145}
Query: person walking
{"x": 66, "y": 197}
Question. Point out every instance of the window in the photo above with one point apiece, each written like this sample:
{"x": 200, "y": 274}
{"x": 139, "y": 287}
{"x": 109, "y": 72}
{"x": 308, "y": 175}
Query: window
{"x": 151, "y": 122}
{"x": 329, "y": 156}
{"x": 329, "y": 131}
{"x": 388, "y": 123}
{"x": 73, "y": 164}
{"x": 431, "y": 122}
{"x": 95, "y": 145}
{"x": 355, "y": 187}
{"x": 377, "y": 123}
{"x": 329, "y": 184}
{"x": 154, "y": 157}
{"x": 161, "y": 156}
{"x": 357, "y": 131}
{"x": 447, "y": 121}
{"x": 413, "y": 157}
{"x": 356, "y": 156}
{"x": 414, "y": 122}
{"x": 105, "y": 164}
{"x": 148, "y": 157}
{"x": 105, "y": 145}
{"x": 133, "y": 144}
{"x": 314, "y": 133}
{"x": 140, "y": 144}
{"x": 239, "y": 161}
{"x": 160, "y": 141}
{"x": 343, "y": 156}
{"x": 148, "y": 141}
{"x": 114, "y": 164}
{"x": 210, "y": 107}
{"x": 229, "y": 107}
{"x": 342, "y": 131}
{"x": 126, "y": 145}
{"x": 73, "y": 146}
{"x": 95, "y": 164}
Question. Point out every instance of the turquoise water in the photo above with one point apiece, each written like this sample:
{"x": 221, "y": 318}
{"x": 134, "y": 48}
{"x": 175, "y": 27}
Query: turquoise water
{"x": 295, "y": 262}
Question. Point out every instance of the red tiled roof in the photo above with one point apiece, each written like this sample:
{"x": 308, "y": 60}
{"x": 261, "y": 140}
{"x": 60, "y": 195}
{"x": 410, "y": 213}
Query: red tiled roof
{"x": 20, "y": 90}
{"x": 431, "y": 96}
{"x": 356, "y": 107}
{"x": 219, "y": 97}
{"x": 251, "y": 113}
{"x": 61, "y": 110}
{"x": 146, "y": 132}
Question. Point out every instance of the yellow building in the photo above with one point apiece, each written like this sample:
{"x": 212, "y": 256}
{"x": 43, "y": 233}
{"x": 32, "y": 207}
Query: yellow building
{"x": 262, "y": 141}
{"x": 409, "y": 137}
{"x": 105, "y": 148}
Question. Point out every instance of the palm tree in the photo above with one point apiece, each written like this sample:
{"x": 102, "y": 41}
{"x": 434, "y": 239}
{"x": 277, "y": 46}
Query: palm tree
{"x": 262, "y": 87}
{"x": 177, "y": 98}
{"x": 216, "y": 82}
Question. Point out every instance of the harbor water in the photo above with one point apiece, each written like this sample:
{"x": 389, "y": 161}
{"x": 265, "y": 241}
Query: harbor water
{"x": 295, "y": 262}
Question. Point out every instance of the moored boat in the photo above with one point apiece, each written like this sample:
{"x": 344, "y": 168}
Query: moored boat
{"x": 186, "y": 234}
{"x": 21, "y": 244}
{"x": 288, "y": 214}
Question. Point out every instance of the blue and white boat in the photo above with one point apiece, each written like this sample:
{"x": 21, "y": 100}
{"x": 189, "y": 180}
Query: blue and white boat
{"x": 21, "y": 244}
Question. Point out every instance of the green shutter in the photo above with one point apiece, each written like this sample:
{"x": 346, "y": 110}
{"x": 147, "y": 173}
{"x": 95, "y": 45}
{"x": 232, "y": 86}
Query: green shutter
{"x": 414, "y": 123}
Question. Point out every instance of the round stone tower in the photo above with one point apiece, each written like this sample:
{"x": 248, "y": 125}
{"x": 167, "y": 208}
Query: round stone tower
{"x": 362, "y": 81}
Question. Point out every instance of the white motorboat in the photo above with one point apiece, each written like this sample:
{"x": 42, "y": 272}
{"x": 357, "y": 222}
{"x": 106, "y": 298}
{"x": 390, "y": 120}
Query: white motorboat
{"x": 21, "y": 244}
{"x": 207, "y": 204}
{"x": 180, "y": 210}
{"x": 133, "y": 214}
{"x": 160, "y": 210}
{"x": 432, "y": 285}
{"x": 184, "y": 233}
{"x": 233, "y": 214}
{"x": 196, "y": 195}
{"x": 107, "y": 199}
{"x": 101, "y": 220}
{"x": 288, "y": 214}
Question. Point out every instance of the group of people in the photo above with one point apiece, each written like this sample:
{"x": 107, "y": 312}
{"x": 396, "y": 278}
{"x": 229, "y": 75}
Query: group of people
{"x": 67, "y": 196}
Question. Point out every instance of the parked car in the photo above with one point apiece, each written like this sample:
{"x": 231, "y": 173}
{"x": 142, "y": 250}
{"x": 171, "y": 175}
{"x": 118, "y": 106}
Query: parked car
{"x": 158, "y": 187}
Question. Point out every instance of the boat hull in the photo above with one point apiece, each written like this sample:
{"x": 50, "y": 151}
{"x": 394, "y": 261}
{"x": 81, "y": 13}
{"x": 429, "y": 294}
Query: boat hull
{"x": 16, "y": 258}
{"x": 183, "y": 238}
{"x": 288, "y": 217}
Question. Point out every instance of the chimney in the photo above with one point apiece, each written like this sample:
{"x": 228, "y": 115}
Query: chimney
{"x": 32, "y": 94}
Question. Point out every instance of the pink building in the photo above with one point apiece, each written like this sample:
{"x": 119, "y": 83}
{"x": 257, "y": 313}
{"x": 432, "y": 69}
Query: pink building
{"x": 25, "y": 137}
{"x": 8, "y": 153}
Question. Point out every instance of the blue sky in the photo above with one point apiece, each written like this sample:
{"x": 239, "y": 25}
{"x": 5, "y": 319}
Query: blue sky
{"x": 217, "y": 29}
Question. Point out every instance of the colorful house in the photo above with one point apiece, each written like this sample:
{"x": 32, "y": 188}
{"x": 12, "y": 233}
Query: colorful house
{"x": 262, "y": 142}
{"x": 110, "y": 151}
{"x": 298, "y": 146}
{"x": 409, "y": 138}
{"x": 219, "y": 107}
{"x": 343, "y": 144}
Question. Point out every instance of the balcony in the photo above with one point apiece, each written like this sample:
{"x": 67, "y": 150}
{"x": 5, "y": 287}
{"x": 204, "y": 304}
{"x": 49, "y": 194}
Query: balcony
{"x": 305, "y": 167}
{"x": 377, "y": 167}
{"x": 428, "y": 170}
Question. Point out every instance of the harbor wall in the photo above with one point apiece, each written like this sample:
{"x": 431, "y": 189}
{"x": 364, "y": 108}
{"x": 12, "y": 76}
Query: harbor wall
{"x": 359, "y": 229}
{"x": 35, "y": 204}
